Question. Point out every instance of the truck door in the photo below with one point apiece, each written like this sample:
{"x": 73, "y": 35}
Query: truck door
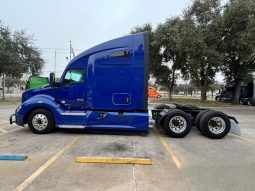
{"x": 72, "y": 91}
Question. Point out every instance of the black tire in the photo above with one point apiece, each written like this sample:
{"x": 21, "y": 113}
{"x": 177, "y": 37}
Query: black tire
{"x": 157, "y": 121}
{"x": 191, "y": 106}
{"x": 185, "y": 120}
{"x": 198, "y": 118}
{"x": 250, "y": 103}
{"x": 40, "y": 121}
{"x": 218, "y": 132}
{"x": 242, "y": 102}
{"x": 163, "y": 106}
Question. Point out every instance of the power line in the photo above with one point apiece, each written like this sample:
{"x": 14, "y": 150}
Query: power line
{"x": 59, "y": 49}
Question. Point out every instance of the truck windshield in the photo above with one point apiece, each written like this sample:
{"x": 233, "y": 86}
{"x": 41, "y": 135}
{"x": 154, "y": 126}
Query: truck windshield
{"x": 73, "y": 75}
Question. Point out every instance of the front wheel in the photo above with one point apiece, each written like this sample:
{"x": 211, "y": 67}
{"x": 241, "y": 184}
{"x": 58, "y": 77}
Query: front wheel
{"x": 177, "y": 124}
{"x": 40, "y": 121}
{"x": 215, "y": 124}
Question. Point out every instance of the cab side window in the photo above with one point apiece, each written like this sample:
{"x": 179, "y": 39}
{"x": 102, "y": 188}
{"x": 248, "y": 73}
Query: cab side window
{"x": 73, "y": 75}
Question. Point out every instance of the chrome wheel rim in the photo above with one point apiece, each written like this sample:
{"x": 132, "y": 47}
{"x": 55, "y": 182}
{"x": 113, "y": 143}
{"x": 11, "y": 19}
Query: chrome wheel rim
{"x": 216, "y": 125}
{"x": 177, "y": 124}
{"x": 40, "y": 122}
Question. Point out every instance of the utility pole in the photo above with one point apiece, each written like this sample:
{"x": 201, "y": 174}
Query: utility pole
{"x": 55, "y": 61}
{"x": 70, "y": 51}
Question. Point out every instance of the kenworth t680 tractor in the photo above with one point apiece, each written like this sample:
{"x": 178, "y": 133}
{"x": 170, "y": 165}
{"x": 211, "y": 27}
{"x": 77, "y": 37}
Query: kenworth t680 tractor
{"x": 105, "y": 87}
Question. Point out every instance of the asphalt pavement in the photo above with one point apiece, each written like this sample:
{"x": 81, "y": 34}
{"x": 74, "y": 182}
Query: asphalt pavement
{"x": 191, "y": 163}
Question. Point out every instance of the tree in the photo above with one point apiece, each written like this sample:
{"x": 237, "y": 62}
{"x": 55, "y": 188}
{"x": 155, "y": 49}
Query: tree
{"x": 203, "y": 42}
{"x": 9, "y": 56}
{"x": 156, "y": 69}
{"x": 13, "y": 82}
{"x": 18, "y": 56}
{"x": 169, "y": 37}
{"x": 215, "y": 86}
{"x": 154, "y": 56}
{"x": 30, "y": 55}
{"x": 238, "y": 42}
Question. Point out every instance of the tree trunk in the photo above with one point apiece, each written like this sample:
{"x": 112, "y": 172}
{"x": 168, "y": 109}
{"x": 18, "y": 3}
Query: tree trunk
{"x": 203, "y": 92}
{"x": 170, "y": 94}
{"x": 236, "y": 95}
{"x": 172, "y": 85}
{"x": 4, "y": 86}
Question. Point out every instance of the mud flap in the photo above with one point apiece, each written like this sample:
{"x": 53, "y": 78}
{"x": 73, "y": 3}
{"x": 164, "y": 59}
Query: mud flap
{"x": 235, "y": 128}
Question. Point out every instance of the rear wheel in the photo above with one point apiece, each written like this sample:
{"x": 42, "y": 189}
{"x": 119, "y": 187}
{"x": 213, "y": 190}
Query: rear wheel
{"x": 215, "y": 124}
{"x": 177, "y": 124}
{"x": 198, "y": 118}
{"x": 40, "y": 121}
{"x": 249, "y": 103}
{"x": 242, "y": 101}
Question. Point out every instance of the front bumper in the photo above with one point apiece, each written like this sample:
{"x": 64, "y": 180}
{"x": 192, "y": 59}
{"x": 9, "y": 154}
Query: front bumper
{"x": 16, "y": 118}
{"x": 11, "y": 119}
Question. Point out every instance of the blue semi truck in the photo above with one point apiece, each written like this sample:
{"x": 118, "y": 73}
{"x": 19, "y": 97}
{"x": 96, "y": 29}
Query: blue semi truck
{"x": 106, "y": 87}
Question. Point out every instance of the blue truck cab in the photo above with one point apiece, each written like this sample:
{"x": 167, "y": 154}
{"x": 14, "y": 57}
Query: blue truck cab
{"x": 104, "y": 87}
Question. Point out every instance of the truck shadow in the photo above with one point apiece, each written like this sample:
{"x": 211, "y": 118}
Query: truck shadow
{"x": 103, "y": 132}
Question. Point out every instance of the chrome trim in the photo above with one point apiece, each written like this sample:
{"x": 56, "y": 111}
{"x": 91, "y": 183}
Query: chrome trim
{"x": 40, "y": 122}
{"x": 177, "y": 124}
{"x": 73, "y": 114}
{"x": 72, "y": 126}
{"x": 216, "y": 125}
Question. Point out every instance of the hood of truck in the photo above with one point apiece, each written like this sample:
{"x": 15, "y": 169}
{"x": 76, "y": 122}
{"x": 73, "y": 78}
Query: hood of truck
{"x": 47, "y": 90}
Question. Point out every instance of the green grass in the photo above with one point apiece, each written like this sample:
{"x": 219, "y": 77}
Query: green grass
{"x": 192, "y": 101}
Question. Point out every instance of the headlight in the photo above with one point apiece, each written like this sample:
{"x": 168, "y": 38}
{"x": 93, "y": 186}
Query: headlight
{"x": 17, "y": 110}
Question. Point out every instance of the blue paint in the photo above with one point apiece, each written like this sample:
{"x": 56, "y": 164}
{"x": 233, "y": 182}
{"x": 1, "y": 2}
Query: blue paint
{"x": 114, "y": 84}
{"x": 8, "y": 156}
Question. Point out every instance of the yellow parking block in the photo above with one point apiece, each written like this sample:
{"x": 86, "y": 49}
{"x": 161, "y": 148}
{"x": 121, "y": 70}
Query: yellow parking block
{"x": 114, "y": 160}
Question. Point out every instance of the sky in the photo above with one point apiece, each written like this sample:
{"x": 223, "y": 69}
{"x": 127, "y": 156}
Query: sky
{"x": 54, "y": 23}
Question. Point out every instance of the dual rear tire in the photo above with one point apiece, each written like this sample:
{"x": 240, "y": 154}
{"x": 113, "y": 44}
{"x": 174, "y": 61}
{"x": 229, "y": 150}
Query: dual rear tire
{"x": 213, "y": 124}
{"x": 177, "y": 124}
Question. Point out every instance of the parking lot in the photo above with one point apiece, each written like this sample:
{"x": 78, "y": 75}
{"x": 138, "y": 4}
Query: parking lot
{"x": 191, "y": 163}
